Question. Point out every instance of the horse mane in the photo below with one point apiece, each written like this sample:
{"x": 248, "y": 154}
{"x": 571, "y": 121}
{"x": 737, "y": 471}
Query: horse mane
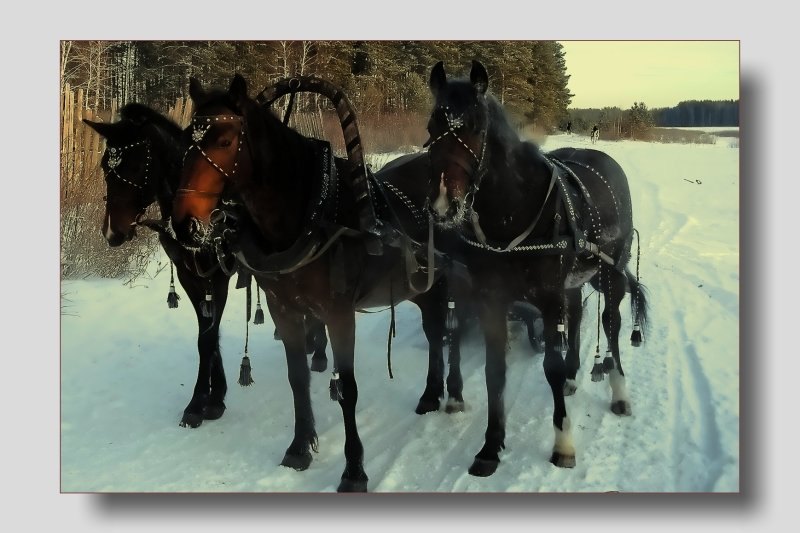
{"x": 500, "y": 127}
{"x": 142, "y": 114}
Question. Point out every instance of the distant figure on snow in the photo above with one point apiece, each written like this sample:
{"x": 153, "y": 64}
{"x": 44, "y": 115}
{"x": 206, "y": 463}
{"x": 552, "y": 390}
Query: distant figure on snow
{"x": 569, "y": 128}
{"x": 595, "y": 134}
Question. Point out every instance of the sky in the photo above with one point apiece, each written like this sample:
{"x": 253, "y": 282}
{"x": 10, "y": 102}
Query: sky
{"x": 658, "y": 73}
{"x": 683, "y": 435}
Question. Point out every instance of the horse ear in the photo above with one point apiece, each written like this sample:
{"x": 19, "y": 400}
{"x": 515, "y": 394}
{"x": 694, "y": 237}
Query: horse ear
{"x": 479, "y": 77}
{"x": 238, "y": 88}
{"x": 196, "y": 92}
{"x": 103, "y": 128}
{"x": 438, "y": 78}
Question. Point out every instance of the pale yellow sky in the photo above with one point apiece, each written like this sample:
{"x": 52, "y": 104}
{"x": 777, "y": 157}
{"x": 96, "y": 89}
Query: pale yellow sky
{"x": 658, "y": 73}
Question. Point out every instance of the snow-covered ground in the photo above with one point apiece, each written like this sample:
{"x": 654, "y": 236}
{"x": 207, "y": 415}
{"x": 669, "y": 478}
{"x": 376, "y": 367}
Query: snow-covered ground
{"x": 128, "y": 364}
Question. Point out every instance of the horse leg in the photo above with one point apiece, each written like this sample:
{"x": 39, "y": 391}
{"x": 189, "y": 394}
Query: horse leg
{"x": 298, "y": 454}
{"x": 432, "y": 308}
{"x": 530, "y": 315}
{"x": 614, "y": 283}
{"x": 573, "y": 361}
{"x": 493, "y": 317}
{"x": 319, "y": 340}
{"x": 555, "y": 370}
{"x": 455, "y": 383}
{"x": 342, "y": 331}
{"x": 210, "y": 362}
{"x": 219, "y": 385}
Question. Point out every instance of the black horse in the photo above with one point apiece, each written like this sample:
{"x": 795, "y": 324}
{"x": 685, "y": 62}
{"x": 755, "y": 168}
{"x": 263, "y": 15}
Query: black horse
{"x": 281, "y": 203}
{"x": 532, "y": 226}
{"x": 141, "y": 163}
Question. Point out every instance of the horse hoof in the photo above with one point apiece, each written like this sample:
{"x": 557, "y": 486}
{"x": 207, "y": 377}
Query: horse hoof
{"x": 483, "y": 467}
{"x": 319, "y": 365}
{"x": 191, "y": 420}
{"x": 454, "y": 406}
{"x": 213, "y": 412}
{"x": 621, "y": 408}
{"x": 352, "y": 485}
{"x": 426, "y": 406}
{"x": 562, "y": 460}
{"x": 570, "y": 387}
{"x": 298, "y": 462}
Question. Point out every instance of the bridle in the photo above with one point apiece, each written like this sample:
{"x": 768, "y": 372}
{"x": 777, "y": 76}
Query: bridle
{"x": 475, "y": 167}
{"x": 115, "y": 160}
{"x": 201, "y": 124}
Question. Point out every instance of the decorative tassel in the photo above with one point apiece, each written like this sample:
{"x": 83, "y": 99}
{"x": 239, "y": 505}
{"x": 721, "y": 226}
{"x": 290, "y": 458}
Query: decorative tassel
{"x": 608, "y": 362}
{"x": 206, "y": 306}
{"x": 259, "y": 318}
{"x": 245, "y": 371}
{"x": 451, "y": 322}
{"x": 561, "y": 344}
{"x": 276, "y": 335}
{"x": 172, "y": 297}
{"x": 597, "y": 369}
{"x": 245, "y": 376}
{"x": 336, "y": 388}
{"x": 636, "y": 336}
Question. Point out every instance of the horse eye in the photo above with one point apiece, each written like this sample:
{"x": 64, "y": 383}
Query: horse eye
{"x": 105, "y": 198}
{"x": 225, "y": 143}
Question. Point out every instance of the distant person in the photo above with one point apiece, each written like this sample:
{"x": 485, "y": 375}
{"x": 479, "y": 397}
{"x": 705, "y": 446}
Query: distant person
{"x": 569, "y": 128}
{"x": 595, "y": 134}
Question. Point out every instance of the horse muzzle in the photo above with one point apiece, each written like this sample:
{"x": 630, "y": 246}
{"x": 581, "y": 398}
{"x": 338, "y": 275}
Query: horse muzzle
{"x": 114, "y": 236}
{"x": 446, "y": 211}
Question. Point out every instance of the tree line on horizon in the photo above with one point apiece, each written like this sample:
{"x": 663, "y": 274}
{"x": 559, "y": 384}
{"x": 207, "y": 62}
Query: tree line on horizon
{"x": 615, "y": 122}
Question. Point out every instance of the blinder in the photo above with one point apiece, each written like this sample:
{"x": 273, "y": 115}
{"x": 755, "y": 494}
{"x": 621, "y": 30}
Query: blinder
{"x": 113, "y": 162}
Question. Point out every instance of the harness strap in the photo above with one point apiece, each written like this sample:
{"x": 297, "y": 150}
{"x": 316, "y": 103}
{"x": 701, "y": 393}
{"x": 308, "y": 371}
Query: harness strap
{"x": 309, "y": 257}
{"x": 411, "y": 263}
{"x": 521, "y": 237}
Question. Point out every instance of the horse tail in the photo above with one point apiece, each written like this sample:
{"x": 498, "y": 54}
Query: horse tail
{"x": 639, "y": 300}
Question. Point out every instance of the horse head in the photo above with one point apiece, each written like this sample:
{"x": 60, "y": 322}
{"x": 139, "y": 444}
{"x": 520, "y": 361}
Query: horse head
{"x": 458, "y": 129}
{"x": 133, "y": 171}
{"x": 218, "y": 155}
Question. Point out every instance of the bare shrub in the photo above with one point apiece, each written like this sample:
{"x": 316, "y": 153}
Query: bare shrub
{"x": 675, "y": 135}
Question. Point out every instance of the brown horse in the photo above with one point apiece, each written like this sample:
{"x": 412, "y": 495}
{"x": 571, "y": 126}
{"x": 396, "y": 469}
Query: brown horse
{"x": 293, "y": 226}
{"x": 140, "y": 164}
